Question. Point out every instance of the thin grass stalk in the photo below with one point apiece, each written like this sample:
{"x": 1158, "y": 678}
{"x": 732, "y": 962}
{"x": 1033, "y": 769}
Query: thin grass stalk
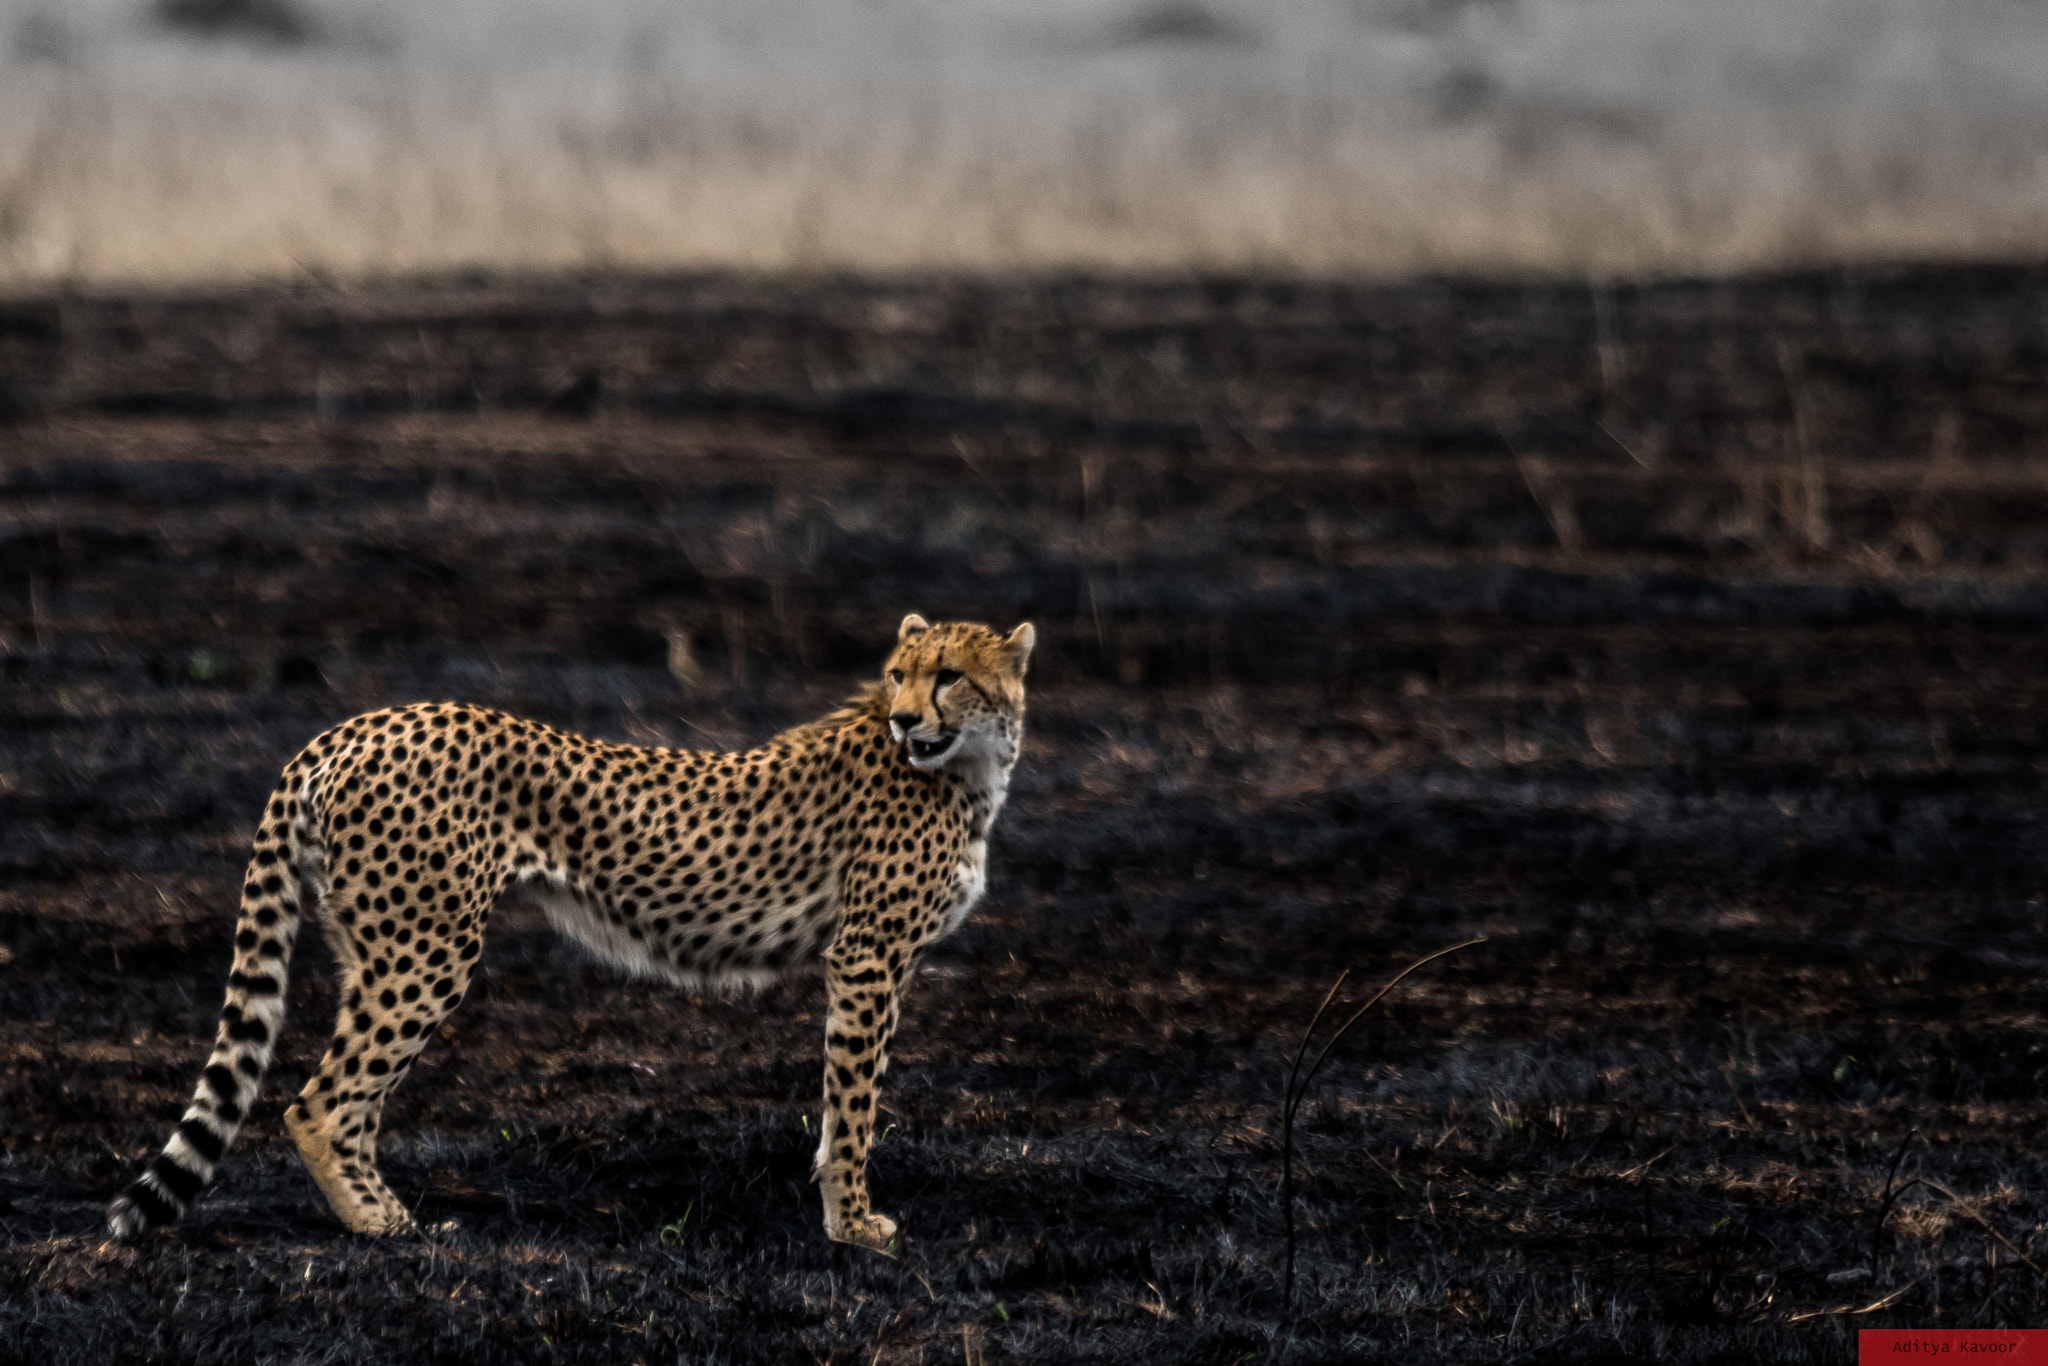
{"x": 1298, "y": 1084}
{"x": 1287, "y": 1108}
{"x": 1884, "y": 1207}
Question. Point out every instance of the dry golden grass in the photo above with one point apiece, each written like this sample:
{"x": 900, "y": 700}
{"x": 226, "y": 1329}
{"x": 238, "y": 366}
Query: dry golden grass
{"x": 1373, "y": 139}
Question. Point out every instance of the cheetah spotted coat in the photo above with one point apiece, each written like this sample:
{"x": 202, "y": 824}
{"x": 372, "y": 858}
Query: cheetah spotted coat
{"x": 851, "y": 842}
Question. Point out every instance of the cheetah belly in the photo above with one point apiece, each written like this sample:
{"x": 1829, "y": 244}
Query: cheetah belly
{"x": 735, "y": 953}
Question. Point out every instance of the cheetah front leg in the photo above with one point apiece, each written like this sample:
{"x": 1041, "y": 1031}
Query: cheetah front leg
{"x": 862, "y": 994}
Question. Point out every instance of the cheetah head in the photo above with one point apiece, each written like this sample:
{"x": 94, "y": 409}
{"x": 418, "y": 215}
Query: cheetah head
{"x": 956, "y": 691}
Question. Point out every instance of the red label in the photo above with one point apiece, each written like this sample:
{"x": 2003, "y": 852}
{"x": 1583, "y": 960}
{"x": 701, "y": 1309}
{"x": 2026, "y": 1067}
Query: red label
{"x": 2015, "y": 1346}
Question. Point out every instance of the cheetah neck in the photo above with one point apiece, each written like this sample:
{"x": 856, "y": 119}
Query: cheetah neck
{"x": 982, "y": 779}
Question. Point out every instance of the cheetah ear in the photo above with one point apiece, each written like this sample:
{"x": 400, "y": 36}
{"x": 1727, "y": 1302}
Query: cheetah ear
{"x": 1017, "y": 647}
{"x": 912, "y": 625}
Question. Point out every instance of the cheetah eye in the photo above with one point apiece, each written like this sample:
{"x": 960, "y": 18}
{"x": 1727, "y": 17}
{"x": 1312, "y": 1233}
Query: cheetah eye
{"x": 895, "y": 675}
{"x": 948, "y": 677}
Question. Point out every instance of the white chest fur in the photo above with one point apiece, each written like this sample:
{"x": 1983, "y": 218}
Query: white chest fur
{"x": 984, "y": 771}
{"x": 970, "y": 880}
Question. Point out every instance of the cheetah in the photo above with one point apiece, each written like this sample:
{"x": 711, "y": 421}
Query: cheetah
{"x": 848, "y": 844}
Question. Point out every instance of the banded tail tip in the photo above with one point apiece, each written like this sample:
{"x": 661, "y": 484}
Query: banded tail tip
{"x": 125, "y": 1220}
{"x": 139, "y": 1209}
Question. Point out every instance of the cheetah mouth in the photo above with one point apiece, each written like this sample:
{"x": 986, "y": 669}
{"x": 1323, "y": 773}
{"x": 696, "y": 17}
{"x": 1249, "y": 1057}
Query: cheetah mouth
{"x": 924, "y": 752}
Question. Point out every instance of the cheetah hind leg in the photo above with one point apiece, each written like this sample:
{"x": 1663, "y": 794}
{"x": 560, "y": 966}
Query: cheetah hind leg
{"x": 336, "y": 1117}
{"x": 342, "y": 1156}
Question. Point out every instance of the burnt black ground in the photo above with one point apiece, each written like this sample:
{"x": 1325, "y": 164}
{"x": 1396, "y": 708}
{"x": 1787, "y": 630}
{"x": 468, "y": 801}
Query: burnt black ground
{"x": 1685, "y": 640}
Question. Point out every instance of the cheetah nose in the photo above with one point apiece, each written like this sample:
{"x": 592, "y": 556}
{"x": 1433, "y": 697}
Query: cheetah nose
{"x": 905, "y": 720}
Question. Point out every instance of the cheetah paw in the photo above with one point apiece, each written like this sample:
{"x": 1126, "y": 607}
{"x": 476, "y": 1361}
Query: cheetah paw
{"x": 877, "y": 1232}
{"x": 382, "y": 1224}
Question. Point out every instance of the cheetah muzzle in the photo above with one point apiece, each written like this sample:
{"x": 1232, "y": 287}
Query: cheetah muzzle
{"x": 847, "y": 845}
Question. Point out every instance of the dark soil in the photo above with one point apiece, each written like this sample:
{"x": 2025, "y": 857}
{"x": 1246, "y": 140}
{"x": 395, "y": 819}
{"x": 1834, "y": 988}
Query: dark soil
{"x": 1687, "y": 641}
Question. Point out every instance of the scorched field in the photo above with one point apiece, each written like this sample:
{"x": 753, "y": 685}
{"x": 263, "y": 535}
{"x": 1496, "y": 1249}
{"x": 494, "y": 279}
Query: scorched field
{"x": 1685, "y": 641}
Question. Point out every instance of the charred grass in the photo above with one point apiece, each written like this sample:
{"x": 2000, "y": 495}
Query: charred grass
{"x": 1685, "y": 641}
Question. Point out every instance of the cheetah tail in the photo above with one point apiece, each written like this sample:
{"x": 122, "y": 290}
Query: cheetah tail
{"x": 249, "y": 1025}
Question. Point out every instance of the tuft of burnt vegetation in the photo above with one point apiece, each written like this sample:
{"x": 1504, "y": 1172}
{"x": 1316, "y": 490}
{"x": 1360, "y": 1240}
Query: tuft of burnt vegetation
{"x": 1685, "y": 641}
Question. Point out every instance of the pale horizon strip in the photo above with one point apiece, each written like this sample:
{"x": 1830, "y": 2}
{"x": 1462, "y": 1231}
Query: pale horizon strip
{"x": 1595, "y": 139}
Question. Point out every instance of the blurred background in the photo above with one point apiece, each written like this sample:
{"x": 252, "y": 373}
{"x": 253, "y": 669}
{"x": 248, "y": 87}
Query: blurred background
{"x": 181, "y": 140}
